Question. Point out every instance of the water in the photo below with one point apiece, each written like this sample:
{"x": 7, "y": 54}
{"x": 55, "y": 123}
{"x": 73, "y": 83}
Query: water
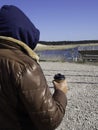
{"x": 59, "y": 55}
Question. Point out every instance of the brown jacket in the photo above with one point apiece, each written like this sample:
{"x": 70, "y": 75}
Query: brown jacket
{"x": 25, "y": 98}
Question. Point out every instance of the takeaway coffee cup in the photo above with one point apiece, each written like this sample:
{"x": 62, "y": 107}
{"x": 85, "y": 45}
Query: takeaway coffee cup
{"x": 59, "y": 77}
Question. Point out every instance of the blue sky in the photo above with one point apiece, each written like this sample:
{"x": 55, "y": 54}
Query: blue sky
{"x": 60, "y": 20}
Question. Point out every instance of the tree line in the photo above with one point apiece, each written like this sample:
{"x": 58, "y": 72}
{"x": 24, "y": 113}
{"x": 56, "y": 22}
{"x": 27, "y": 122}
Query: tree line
{"x": 67, "y": 42}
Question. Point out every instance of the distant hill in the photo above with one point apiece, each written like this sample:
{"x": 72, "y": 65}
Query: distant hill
{"x": 68, "y": 42}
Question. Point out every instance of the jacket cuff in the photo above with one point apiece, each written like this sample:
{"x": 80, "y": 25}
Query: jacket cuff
{"x": 60, "y": 97}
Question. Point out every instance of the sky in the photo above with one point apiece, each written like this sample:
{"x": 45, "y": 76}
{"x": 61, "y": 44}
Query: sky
{"x": 61, "y": 20}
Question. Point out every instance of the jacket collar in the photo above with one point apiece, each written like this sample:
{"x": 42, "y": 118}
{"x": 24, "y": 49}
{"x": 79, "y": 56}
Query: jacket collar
{"x": 29, "y": 51}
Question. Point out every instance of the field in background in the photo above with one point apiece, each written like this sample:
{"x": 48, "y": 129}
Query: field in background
{"x": 68, "y": 52}
{"x": 61, "y": 47}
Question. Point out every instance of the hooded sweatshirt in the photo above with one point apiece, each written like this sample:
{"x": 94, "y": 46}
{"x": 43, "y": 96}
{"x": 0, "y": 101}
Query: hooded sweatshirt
{"x": 14, "y": 23}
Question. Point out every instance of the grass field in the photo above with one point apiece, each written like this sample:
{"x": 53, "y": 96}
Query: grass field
{"x": 61, "y": 47}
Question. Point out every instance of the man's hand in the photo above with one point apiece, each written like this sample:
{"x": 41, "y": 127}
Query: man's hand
{"x": 62, "y": 85}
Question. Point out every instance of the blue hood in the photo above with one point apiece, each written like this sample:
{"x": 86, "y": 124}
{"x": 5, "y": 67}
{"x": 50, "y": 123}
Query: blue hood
{"x": 14, "y": 23}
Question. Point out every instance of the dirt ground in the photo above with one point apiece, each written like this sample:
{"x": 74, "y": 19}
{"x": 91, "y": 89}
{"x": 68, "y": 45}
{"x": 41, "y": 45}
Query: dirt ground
{"x": 82, "y": 109}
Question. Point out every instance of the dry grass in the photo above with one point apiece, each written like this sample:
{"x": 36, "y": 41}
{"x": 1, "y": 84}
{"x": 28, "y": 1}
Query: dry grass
{"x": 61, "y": 47}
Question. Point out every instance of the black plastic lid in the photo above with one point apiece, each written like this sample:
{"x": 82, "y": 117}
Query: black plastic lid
{"x": 59, "y": 77}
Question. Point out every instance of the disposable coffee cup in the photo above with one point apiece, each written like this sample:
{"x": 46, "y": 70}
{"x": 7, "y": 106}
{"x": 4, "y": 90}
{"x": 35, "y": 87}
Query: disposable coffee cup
{"x": 59, "y": 77}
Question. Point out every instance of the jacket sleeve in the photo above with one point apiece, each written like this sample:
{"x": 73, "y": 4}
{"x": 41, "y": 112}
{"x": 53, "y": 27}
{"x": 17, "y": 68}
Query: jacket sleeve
{"x": 46, "y": 110}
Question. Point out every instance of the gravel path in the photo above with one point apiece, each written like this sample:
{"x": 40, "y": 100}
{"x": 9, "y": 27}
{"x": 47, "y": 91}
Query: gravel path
{"x": 82, "y": 109}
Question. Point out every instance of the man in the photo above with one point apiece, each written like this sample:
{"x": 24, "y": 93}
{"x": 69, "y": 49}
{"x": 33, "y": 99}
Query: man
{"x": 25, "y": 98}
